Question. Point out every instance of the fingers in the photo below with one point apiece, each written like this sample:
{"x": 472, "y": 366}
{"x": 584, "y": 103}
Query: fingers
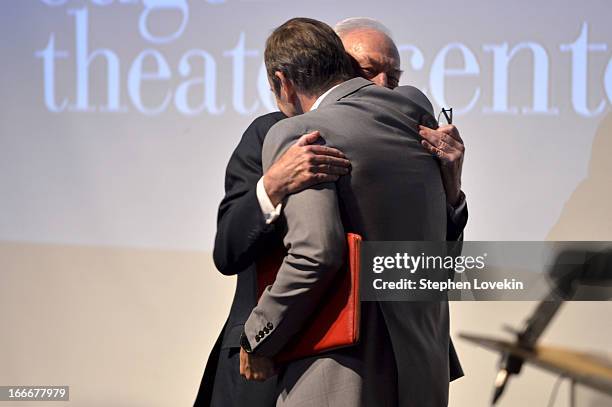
{"x": 243, "y": 361}
{"x": 322, "y": 177}
{"x": 258, "y": 376}
{"x": 438, "y": 138}
{"x": 329, "y": 169}
{"x": 329, "y": 161}
{"x": 447, "y": 158}
{"x": 443, "y": 143}
{"x": 438, "y": 144}
{"x": 433, "y": 150}
{"x": 313, "y": 175}
{"x": 308, "y": 138}
{"x": 324, "y": 150}
{"x": 314, "y": 178}
{"x": 256, "y": 368}
{"x": 449, "y": 134}
{"x": 309, "y": 165}
{"x": 452, "y": 131}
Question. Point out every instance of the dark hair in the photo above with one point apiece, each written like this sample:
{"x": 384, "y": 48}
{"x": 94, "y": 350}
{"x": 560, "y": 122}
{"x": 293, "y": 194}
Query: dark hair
{"x": 309, "y": 53}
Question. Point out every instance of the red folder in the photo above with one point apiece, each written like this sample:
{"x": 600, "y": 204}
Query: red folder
{"x": 335, "y": 322}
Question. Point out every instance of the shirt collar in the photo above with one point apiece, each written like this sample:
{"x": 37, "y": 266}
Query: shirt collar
{"x": 320, "y": 98}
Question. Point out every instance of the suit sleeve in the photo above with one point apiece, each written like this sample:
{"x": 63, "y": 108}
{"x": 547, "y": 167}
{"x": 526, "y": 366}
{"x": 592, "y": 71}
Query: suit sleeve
{"x": 240, "y": 223}
{"x": 456, "y": 218}
{"x": 315, "y": 246}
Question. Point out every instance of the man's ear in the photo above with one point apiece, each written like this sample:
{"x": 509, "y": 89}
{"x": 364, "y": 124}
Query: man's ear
{"x": 286, "y": 91}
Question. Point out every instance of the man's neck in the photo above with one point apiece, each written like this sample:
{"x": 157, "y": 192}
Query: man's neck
{"x": 306, "y": 102}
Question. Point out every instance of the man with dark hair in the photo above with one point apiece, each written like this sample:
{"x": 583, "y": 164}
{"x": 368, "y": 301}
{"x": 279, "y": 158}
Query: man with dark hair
{"x": 394, "y": 192}
{"x": 326, "y": 66}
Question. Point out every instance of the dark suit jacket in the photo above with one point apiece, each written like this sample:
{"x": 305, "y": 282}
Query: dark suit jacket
{"x": 242, "y": 235}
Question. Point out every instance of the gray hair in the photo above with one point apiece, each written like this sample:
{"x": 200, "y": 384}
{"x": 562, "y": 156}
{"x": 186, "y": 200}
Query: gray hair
{"x": 349, "y": 25}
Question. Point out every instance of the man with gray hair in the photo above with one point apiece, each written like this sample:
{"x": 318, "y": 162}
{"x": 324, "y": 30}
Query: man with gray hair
{"x": 370, "y": 43}
{"x": 233, "y": 247}
{"x": 350, "y": 24}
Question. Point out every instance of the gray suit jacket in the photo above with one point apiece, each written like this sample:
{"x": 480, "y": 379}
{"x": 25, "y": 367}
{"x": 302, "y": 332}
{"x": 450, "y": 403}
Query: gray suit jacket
{"x": 394, "y": 192}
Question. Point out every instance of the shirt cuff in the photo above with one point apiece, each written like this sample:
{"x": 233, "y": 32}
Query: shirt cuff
{"x": 268, "y": 210}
